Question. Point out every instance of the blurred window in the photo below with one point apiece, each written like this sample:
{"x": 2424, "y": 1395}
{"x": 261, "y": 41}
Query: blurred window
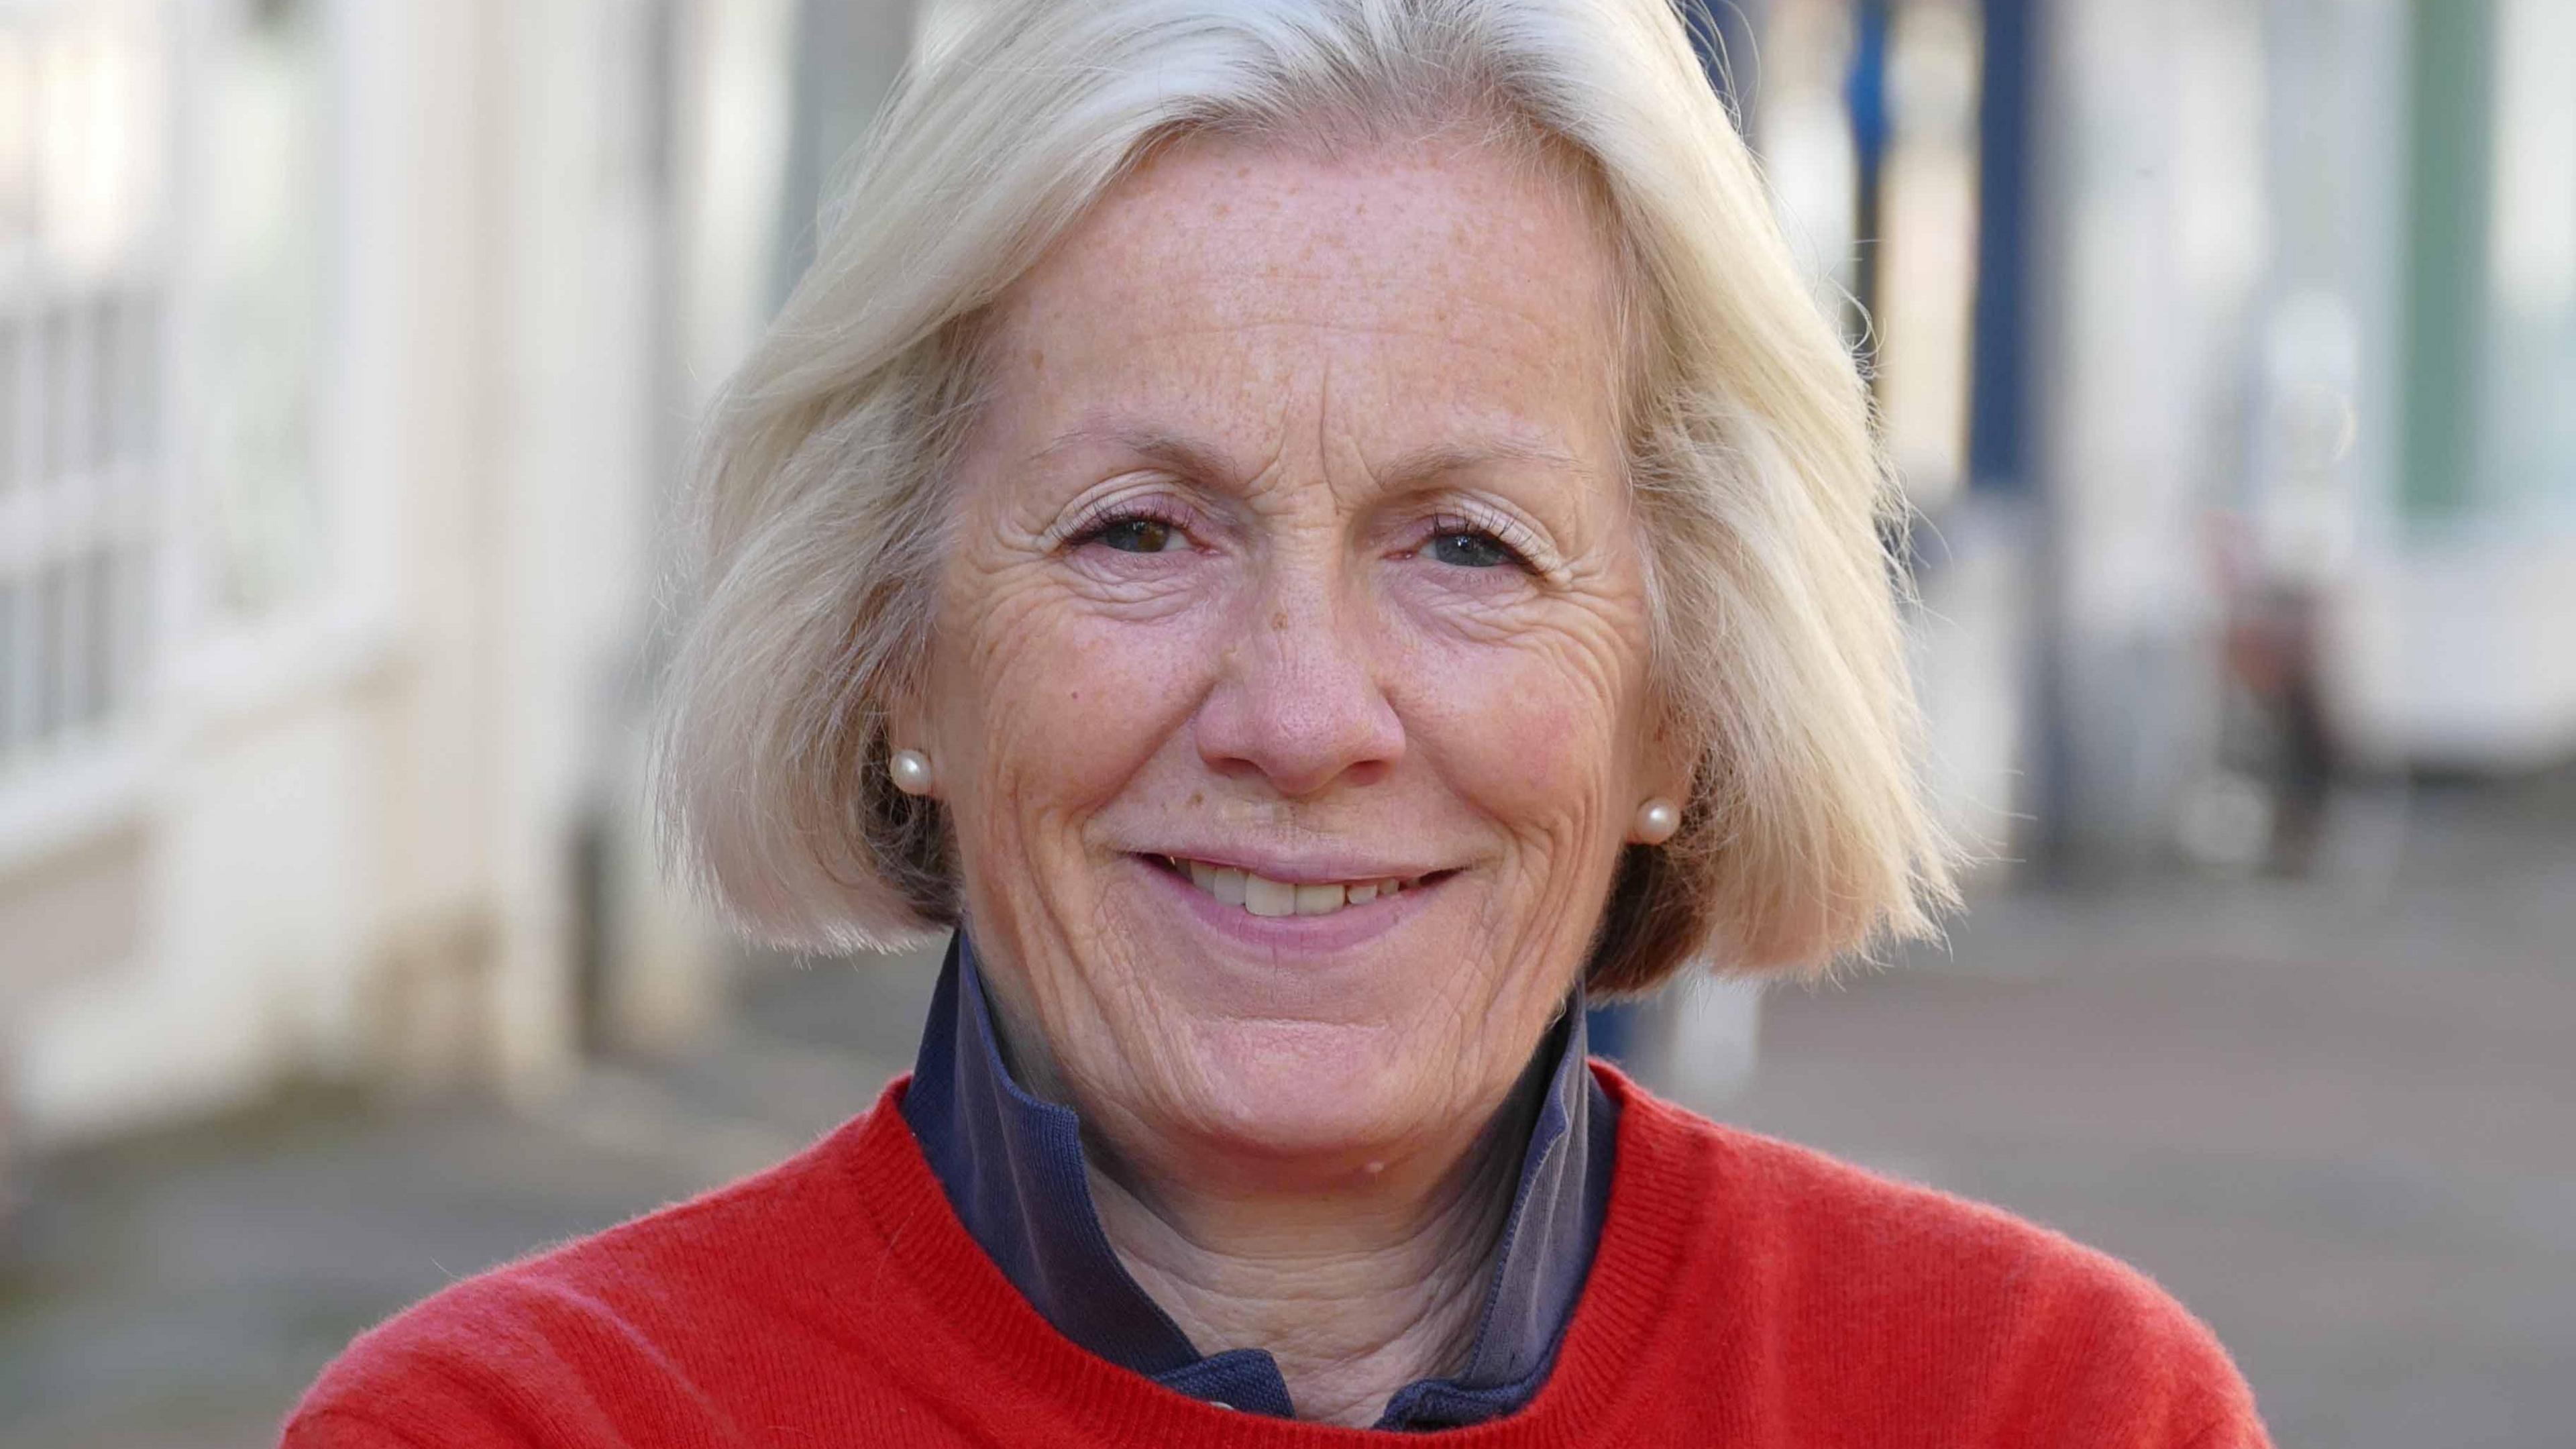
{"x": 85, "y": 148}
{"x": 159, "y": 346}
{"x": 2531, "y": 256}
{"x": 1866, "y": 118}
{"x": 1926, "y": 293}
{"x": 262, "y": 532}
{"x": 1803, "y": 131}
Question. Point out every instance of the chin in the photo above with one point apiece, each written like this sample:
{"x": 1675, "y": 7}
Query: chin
{"x": 1310, "y": 1089}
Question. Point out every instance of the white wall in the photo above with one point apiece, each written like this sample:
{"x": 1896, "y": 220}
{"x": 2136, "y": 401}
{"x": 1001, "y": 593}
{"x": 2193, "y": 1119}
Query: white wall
{"x": 349, "y": 845}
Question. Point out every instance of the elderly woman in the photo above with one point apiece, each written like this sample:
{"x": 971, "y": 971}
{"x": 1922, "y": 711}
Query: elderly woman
{"x": 1313, "y": 534}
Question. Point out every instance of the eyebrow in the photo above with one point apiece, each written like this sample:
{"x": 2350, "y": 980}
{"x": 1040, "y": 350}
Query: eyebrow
{"x": 1197, "y": 458}
{"x": 1172, "y": 451}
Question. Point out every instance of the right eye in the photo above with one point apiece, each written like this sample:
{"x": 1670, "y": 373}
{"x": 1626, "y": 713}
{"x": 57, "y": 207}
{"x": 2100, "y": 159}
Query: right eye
{"x": 1137, "y": 535}
{"x": 1135, "y": 526}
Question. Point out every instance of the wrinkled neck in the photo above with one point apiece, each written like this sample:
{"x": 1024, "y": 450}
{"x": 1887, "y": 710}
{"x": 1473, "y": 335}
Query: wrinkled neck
{"x": 1356, "y": 1288}
{"x": 1358, "y": 1274}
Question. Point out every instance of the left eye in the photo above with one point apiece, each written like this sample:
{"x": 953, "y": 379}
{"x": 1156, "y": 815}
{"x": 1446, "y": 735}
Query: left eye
{"x": 1469, "y": 548}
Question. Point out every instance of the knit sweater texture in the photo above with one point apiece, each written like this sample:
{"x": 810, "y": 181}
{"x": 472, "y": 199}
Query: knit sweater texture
{"x": 1745, "y": 1292}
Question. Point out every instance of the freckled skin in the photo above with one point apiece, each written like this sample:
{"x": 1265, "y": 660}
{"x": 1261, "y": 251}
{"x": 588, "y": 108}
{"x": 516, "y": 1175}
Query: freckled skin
{"x": 1295, "y": 665}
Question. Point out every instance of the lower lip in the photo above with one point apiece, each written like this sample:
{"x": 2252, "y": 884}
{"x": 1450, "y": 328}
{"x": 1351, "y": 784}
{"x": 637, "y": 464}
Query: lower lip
{"x": 1292, "y": 935}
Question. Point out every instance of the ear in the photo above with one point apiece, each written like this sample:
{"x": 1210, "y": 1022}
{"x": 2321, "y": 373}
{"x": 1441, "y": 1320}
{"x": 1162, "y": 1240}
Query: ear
{"x": 907, "y": 723}
{"x": 1668, "y": 765}
{"x": 908, "y": 719}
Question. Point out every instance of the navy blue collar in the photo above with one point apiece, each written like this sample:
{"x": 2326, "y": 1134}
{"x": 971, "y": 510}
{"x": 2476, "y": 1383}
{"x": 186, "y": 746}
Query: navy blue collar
{"x": 1012, "y": 1168}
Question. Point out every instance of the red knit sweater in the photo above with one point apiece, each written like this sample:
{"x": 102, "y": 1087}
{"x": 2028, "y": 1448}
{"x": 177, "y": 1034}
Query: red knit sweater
{"x": 1745, "y": 1292}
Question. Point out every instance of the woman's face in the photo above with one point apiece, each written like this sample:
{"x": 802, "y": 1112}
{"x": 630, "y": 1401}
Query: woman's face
{"x": 1287, "y": 692}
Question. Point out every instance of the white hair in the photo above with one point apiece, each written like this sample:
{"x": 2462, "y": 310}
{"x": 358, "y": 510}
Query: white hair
{"x": 820, "y": 501}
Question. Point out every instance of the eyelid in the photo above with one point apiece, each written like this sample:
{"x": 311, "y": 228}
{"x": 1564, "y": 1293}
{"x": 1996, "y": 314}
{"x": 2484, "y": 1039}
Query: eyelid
{"x": 1506, "y": 527}
{"x": 1149, "y": 499}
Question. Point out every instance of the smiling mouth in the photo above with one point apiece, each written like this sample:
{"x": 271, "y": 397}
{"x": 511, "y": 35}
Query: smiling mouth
{"x": 1262, "y": 896}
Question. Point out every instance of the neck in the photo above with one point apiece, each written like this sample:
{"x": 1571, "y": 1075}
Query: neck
{"x": 1356, "y": 1289}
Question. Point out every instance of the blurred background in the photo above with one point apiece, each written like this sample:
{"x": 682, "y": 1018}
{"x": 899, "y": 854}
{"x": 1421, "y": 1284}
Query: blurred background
{"x": 349, "y": 352}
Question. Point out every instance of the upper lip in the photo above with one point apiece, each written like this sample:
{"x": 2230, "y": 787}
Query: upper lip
{"x": 1297, "y": 869}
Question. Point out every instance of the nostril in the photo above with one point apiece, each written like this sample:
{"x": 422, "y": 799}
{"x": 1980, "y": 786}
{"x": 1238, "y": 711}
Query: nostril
{"x": 1368, "y": 772}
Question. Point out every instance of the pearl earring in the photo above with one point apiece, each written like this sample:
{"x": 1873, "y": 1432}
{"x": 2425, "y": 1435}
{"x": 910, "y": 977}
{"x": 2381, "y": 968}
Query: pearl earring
{"x": 1657, "y": 819}
{"x": 911, "y": 771}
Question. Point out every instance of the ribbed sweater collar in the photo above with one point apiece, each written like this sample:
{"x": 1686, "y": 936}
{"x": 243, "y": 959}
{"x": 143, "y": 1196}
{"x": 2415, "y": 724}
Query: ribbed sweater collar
{"x": 1607, "y": 1368}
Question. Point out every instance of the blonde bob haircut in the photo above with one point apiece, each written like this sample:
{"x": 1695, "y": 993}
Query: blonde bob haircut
{"x": 819, "y": 508}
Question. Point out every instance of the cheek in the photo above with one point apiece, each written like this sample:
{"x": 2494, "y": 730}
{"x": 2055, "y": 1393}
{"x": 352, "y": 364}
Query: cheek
{"x": 1055, "y": 708}
{"x": 1527, "y": 725}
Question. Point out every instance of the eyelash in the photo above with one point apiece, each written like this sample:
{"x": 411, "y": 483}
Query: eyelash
{"x": 1110, "y": 515}
{"x": 1504, "y": 533}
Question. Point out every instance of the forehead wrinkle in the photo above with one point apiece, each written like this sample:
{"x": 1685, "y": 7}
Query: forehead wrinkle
{"x": 1155, "y": 443}
{"x": 1434, "y": 461}
{"x": 1324, "y": 422}
{"x": 1442, "y": 329}
{"x": 1209, "y": 462}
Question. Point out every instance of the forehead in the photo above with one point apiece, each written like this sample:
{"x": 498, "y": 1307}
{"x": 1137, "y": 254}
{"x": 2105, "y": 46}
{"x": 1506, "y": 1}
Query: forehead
{"x": 1402, "y": 288}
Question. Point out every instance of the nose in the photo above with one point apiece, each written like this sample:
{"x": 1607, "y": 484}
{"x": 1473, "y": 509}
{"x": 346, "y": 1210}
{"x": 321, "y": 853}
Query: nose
{"x": 1297, "y": 701}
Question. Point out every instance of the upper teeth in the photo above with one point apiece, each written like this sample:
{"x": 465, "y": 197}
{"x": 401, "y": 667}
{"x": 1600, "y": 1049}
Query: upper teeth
{"x": 1263, "y": 896}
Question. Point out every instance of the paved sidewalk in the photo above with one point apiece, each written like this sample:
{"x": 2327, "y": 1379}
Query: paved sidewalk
{"x": 178, "y": 1290}
{"x": 2338, "y": 1120}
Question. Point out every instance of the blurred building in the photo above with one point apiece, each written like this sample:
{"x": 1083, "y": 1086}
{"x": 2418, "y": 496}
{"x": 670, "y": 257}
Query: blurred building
{"x": 2226, "y": 349}
{"x": 349, "y": 351}
{"x": 2303, "y": 347}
